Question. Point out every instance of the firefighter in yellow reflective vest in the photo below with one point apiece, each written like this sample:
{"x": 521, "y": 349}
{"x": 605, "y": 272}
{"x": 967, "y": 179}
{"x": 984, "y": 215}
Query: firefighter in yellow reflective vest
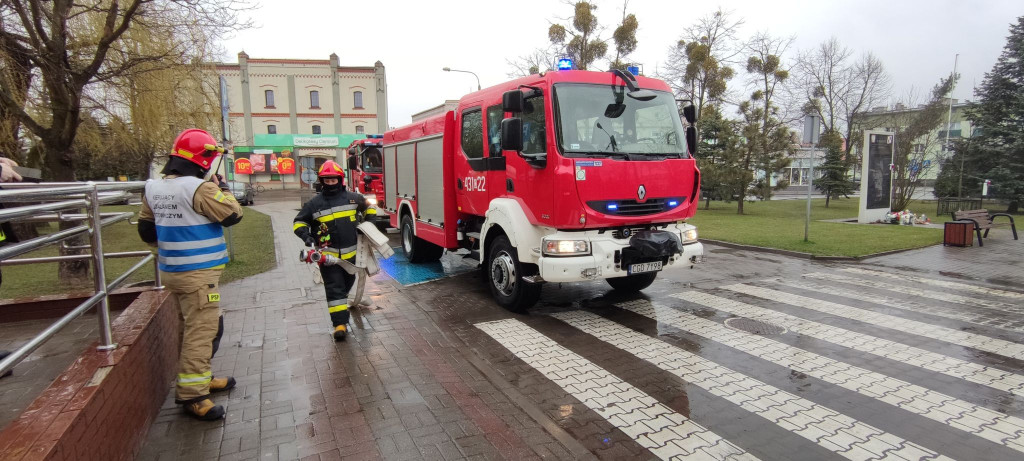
{"x": 185, "y": 216}
{"x": 328, "y": 222}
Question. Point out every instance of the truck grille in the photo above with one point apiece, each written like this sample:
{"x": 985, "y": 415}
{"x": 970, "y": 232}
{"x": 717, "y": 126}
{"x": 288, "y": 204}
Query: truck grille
{"x": 634, "y": 208}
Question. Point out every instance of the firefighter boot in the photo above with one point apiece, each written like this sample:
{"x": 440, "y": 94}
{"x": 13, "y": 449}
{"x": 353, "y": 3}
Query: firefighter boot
{"x": 204, "y": 410}
{"x": 222, "y": 384}
{"x": 339, "y": 333}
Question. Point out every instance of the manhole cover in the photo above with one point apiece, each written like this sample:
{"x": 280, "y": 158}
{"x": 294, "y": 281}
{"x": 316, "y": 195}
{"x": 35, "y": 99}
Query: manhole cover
{"x": 756, "y": 327}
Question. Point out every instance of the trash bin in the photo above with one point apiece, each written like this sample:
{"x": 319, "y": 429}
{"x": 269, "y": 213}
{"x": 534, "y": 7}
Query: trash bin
{"x": 958, "y": 234}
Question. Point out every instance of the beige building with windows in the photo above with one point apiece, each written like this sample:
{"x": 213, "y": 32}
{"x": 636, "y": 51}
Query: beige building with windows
{"x": 307, "y": 110}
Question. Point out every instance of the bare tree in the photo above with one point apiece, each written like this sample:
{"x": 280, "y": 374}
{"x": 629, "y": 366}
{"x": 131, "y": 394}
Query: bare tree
{"x": 698, "y": 65}
{"x": 768, "y": 77}
{"x": 836, "y": 87}
{"x": 73, "y": 48}
{"x": 541, "y": 59}
{"x": 73, "y": 45}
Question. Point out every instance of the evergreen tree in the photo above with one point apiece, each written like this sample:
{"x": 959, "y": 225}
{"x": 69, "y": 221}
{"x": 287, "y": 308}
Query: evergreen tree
{"x": 999, "y": 121}
{"x": 718, "y": 156}
{"x": 834, "y": 180}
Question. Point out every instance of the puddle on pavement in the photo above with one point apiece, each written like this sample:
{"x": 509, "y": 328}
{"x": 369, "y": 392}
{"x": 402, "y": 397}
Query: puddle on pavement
{"x": 406, "y": 273}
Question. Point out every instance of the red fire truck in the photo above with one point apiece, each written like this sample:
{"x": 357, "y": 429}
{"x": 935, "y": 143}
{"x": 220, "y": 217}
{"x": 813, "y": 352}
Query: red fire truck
{"x": 562, "y": 176}
{"x": 366, "y": 171}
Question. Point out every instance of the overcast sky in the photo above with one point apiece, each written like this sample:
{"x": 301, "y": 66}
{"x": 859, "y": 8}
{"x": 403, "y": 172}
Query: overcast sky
{"x": 915, "y": 39}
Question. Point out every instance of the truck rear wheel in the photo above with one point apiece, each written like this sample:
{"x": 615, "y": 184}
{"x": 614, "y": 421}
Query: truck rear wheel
{"x": 505, "y": 273}
{"x": 416, "y": 249}
{"x": 632, "y": 283}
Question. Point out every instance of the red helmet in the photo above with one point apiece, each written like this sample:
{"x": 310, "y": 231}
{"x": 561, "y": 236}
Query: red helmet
{"x": 330, "y": 169}
{"x": 196, "y": 146}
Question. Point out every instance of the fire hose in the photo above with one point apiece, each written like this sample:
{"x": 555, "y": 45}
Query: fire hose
{"x": 365, "y": 265}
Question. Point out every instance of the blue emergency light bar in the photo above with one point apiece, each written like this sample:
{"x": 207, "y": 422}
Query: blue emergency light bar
{"x": 635, "y": 70}
{"x": 565, "y": 64}
{"x": 375, "y": 136}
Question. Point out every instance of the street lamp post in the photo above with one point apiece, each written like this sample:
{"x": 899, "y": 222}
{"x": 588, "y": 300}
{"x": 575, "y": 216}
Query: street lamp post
{"x": 449, "y": 69}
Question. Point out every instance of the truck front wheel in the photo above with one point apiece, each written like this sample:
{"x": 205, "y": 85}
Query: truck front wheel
{"x": 632, "y": 283}
{"x": 505, "y": 274}
{"x": 416, "y": 249}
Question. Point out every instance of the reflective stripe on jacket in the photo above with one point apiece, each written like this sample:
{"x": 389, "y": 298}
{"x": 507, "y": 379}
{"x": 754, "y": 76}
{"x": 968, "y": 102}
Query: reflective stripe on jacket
{"x": 186, "y": 240}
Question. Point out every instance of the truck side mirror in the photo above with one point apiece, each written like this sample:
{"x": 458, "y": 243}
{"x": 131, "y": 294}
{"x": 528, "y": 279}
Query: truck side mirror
{"x": 690, "y": 114}
{"x": 512, "y": 132}
{"x": 691, "y": 140}
{"x": 513, "y": 101}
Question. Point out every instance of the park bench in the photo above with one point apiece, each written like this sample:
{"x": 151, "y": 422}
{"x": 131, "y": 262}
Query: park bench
{"x": 982, "y": 219}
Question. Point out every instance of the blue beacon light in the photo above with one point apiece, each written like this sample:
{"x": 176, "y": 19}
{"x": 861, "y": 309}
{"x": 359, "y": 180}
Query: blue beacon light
{"x": 672, "y": 203}
{"x": 565, "y": 64}
{"x": 613, "y": 206}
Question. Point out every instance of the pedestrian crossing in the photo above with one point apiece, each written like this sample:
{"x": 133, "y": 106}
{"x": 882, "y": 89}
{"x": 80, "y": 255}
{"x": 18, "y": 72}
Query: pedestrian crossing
{"x": 980, "y": 316}
{"x": 973, "y": 412}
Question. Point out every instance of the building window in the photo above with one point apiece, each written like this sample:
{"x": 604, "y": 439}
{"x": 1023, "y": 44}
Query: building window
{"x": 269, "y": 95}
{"x": 316, "y": 129}
{"x": 359, "y": 129}
{"x": 358, "y": 98}
{"x": 473, "y": 133}
{"x": 314, "y": 99}
{"x": 271, "y": 129}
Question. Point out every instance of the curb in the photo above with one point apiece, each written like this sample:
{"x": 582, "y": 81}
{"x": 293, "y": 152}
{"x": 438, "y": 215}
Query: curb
{"x": 802, "y": 255}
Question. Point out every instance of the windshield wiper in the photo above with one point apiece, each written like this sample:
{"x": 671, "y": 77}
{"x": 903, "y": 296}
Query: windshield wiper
{"x": 611, "y": 137}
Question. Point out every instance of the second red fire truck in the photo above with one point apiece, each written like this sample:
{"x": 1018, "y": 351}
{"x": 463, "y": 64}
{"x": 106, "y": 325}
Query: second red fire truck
{"x": 365, "y": 171}
{"x": 562, "y": 176}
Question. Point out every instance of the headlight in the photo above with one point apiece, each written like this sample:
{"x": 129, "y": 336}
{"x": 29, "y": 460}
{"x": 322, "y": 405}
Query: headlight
{"x": 566, "y": 247}
{"x": 372, "y": 200}
{"x": 690, "y": 235}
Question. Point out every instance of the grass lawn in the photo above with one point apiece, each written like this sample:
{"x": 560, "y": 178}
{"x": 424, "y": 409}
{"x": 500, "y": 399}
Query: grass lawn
{"x": 253, "y": 245}
{"x": 780, "y": 224}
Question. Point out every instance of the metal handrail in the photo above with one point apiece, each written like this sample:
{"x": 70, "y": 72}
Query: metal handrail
{"x": 72, "y": 196}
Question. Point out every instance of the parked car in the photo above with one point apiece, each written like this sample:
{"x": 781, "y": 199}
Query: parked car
{"x": 243, "y": 192}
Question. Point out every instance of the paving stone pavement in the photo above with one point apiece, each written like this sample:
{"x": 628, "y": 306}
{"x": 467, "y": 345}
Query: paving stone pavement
{"x": 914, "y": 355}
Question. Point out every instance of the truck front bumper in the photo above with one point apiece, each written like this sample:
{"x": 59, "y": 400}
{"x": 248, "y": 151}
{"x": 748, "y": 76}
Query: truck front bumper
{"x": 605, "y": 258}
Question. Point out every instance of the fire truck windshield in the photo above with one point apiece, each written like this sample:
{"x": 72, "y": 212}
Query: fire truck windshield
{"x": 602, "y": 120}
{"x": 372, "y": 160}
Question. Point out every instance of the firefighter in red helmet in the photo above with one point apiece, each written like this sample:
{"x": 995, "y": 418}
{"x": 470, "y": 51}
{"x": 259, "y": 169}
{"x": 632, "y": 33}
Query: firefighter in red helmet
{"x": 184, "y": 215}
{"x": 328, "y": 222}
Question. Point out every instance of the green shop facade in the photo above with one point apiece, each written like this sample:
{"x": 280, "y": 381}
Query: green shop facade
{"x": 306, "y": 151}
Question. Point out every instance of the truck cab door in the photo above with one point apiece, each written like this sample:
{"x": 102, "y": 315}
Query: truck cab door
{"x": 473, "y": 182}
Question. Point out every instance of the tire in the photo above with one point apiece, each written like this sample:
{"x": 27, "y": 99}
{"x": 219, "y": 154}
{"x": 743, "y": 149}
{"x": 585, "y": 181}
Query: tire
{"x": 505, "y": 277}
{"x": 632, "y": 283}
{"x": 416, "y": 249}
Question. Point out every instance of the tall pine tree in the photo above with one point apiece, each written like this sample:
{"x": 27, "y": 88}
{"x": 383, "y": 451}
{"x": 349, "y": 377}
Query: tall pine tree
{"x": 999, "y": 121}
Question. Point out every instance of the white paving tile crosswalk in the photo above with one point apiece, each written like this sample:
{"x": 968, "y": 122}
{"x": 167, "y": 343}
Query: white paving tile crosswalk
{"x": 983, "y": 422}
{"x": 914, "y": 356}
{"x": 665, "y": 433}
{"x": 939, "y": 283}
{"x": 829, "y": 429}
{"x": 1014, "y": 307}
{"x": 988, "y": 317}
{"x": 938, "y": 333}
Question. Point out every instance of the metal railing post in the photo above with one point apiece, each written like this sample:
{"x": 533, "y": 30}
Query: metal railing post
{"x": 157, "y": 282}
{"x": 103, "y": 309}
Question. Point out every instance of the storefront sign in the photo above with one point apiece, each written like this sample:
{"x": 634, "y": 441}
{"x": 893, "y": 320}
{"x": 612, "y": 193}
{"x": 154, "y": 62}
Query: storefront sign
{"x": 309, "y": 141}
{"x": 243, "y": 166}
{"x": 285, "y": 165}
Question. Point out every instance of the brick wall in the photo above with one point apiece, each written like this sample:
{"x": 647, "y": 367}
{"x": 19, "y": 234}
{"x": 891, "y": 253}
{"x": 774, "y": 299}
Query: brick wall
{"x": 103, "y": 404}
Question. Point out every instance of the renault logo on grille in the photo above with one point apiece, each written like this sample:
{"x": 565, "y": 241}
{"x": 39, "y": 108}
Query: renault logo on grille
{"x": 641, "y": 193}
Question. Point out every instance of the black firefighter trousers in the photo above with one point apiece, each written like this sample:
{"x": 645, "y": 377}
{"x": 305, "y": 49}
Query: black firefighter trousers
{"x": 337, "y": 283}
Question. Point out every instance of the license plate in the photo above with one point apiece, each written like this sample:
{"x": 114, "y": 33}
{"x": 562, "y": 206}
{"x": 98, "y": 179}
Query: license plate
{"x": 640, "y": 268}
